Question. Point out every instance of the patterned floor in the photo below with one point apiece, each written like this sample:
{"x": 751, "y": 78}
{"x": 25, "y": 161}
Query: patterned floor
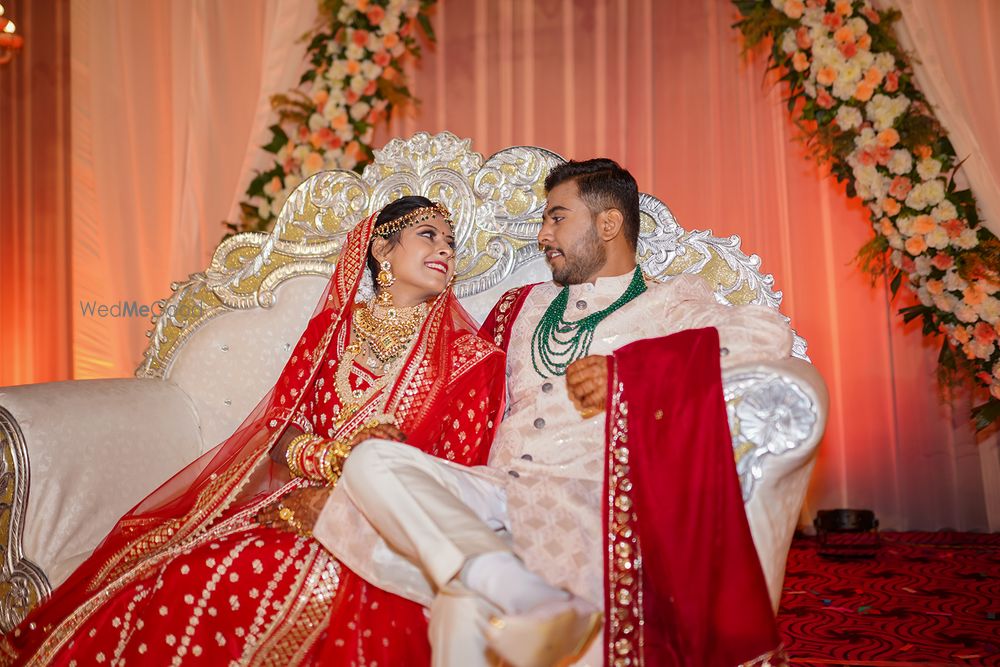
{"x": 925, "y": 599}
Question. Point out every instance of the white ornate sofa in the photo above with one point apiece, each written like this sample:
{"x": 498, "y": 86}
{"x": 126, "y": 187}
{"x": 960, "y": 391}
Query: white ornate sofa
{"x": 77, "y": 455}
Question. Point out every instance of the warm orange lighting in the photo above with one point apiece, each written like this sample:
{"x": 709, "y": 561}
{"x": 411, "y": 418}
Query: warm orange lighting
{"x": 10, "y": 43}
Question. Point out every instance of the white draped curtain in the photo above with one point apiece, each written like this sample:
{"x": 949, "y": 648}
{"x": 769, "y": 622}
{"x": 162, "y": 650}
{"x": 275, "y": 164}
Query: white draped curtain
{"x": 170, "y": 101}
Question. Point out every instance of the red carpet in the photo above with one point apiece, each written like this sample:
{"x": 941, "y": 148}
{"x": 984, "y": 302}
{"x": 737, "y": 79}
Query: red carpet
{"x": 925, "y": 599}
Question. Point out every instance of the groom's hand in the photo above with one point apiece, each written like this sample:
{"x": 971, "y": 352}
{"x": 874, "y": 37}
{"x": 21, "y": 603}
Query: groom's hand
{"x": 587, "y": 384}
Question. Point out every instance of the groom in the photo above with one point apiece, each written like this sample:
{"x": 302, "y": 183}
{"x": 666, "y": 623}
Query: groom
{"x": 610, "y": 485}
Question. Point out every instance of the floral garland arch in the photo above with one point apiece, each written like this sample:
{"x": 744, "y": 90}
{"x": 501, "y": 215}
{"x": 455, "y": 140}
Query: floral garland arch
{"x": 852, "y": 96}
{"x": 353, "y": 81}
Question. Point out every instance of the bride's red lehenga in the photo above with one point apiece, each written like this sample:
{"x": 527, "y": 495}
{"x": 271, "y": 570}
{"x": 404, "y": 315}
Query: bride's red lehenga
{"x": 190, "y": 577}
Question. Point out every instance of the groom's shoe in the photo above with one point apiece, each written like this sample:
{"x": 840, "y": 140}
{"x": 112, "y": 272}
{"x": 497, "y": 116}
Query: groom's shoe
{"x": 552, "y": 634}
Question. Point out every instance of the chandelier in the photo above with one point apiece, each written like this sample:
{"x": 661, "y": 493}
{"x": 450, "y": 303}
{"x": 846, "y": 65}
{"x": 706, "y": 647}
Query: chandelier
{"x": 10, "y": 42}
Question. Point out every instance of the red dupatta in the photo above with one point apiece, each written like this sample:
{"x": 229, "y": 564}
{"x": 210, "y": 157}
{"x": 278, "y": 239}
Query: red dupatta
{"x": 193, "y": 499}
{"x": 684, "y": 584}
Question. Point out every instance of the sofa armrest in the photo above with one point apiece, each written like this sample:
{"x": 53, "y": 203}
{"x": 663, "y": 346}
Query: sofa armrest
{"x": 79, "y": 455}
{"x": 777, "y": 412}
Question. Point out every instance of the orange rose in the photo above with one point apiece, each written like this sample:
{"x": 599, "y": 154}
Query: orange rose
{"x": 375, "y": 15}
{"x": 961, "y": 334}
{"x": 865, "y": 41}
{"x": 923, "y": 224}
{"x": 873, "y": 76}
{"x": 390, "y": 40}
{"x": 890, "y": 206}
{"x": 923, "y": 152}
{"x": 954, "y": 227}
{"x": 934, "y": 287}
{"x": 382, "y": 58}
{"x": 824, "y": 99}
{"x": 942, "y": 261}
{"x": 984, "y": 333}
{"x": 370, "y": 88}
{"x": 915, "y": 245}
{"x": 800, "y": 62}
{"x": 888, "y": 138}
{"x": 973, "y": 295}
{"x": 900, "y": 187}
{"x": 339, "y": 121}
{"x": 353, "y": 67}
{"x": 843, "y": 35}
{"x": 320, "y": 98}
{"x": 826, "y": 76}
{"x": 864, "y": 92}
{"x": 802, "y": 38}
{"x": 360, "y": 37}
{"x": 794, "y": 8}
{"x": 886, "y": 226}
{"x": 843, "y": 7}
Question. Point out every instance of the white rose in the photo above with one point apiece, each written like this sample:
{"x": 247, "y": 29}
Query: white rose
{"x": 924, "y": 296}
{"x": 858, "y": 26}
{"x": 264, "y": 210}
{"x": 316, "y": 121}
{"x": 848, "y": 117}
{"x": 937, "y": 238}
{"x": 810, "y": 88}
{"x": 358, "y": 83}
{"x": 374, "y": 43}
{"x": 851, "y": 71}
{"x": 944, "y": 211}
{"x": 354, "y": 52}
{"x": 300, "y": 152}
{"x": 965, "y": 313}
{"x": 966, "y": 240}
{"x": 360, "y": 110}
{"x": 391, "y": 23}
{"x": 338, "y": 70}
{"x": 896, "y": 241}
{"x": 980, "y": 350}
{"x": 989, "y": 310}
{"x": 842, "y": 89}
{"x": 778, "y": 4}
{"x": 885, "y": 62}
{"x": 917, "y": 199}
{"x": 945, "y": 301}
{"x": 922, "y": 265}
{"x": 292, "y": 181}
{"x": 904, "y": 224}
{"x": 996, "y": 370}
{"x": 900, "y": 161}
{"x": 344, "y": 15}
{"x": 954, "y": 282}
{"x": 370, "y": 70}
{"x": 928, "y": 168}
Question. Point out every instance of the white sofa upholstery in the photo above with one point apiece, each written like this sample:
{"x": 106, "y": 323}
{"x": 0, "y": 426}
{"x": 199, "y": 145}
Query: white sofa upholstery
{"x": 77, "y": 455}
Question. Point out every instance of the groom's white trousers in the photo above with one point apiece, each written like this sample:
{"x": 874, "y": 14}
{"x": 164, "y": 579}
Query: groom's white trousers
{"x": 436, "y": 515}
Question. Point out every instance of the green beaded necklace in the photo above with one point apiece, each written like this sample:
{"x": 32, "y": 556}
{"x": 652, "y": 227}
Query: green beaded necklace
{"x": 557, "y": 343}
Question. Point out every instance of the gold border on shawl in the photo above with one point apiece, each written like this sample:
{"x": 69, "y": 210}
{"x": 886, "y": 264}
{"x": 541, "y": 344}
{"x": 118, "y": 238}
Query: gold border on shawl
{"x": 624, "y": 558}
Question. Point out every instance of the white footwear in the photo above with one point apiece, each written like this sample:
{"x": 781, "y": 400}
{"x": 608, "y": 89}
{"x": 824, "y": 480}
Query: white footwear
{"x": 552, "y": 634}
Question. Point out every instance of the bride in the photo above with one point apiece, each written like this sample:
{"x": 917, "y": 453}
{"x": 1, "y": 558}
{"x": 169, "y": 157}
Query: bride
{"x": 218, "y": 566}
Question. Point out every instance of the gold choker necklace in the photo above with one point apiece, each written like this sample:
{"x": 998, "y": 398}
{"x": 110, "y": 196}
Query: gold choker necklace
{"x": 387, "y": 329}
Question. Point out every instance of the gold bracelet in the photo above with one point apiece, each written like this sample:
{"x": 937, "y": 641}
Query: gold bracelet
{"x": 295, "y": 448}
{"x": 333, "y": 461}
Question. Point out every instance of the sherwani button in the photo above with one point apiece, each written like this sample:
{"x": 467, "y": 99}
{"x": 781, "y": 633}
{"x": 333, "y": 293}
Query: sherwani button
{"x": 581, "y": 304}
{"x": 526, "y": 457}
{"x": 513, "y": 473}
{"x": 724, "y": 351}
{"x": 547, "y": 387}
{"x": 539, "y": 423}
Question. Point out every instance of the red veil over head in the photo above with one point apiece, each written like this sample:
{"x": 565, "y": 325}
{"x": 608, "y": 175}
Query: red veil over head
{"x": 193, "y": 499}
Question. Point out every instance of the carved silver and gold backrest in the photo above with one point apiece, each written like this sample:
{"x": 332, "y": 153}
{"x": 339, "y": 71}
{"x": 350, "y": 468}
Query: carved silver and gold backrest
{"x": 224, "y": 334}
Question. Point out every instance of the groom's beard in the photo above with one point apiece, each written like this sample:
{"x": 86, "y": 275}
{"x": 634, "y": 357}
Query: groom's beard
{"x": 581, "y": 260}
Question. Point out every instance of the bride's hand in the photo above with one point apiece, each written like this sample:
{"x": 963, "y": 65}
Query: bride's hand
{"x": 380, "y": 432}
{"x": 301, "y": 506}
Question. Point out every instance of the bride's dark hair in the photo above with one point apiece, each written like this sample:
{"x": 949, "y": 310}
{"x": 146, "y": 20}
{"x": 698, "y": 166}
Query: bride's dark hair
{"x": 390, "y": 212}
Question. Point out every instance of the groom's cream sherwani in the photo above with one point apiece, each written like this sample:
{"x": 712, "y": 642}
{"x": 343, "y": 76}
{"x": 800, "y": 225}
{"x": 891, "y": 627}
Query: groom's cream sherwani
{"x": 546, "y": 458}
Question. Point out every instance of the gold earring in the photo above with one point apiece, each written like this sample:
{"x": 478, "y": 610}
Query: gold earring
{"x": 385, "y": 279}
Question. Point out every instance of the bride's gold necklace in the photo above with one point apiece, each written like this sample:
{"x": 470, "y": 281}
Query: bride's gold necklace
{"x": 386, "y": 332}
{"x": 387, "y": 329}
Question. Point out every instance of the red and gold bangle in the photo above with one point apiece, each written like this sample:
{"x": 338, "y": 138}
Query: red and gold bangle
{"x": 333, "y": 461}
{"x": 294, "y": 451}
